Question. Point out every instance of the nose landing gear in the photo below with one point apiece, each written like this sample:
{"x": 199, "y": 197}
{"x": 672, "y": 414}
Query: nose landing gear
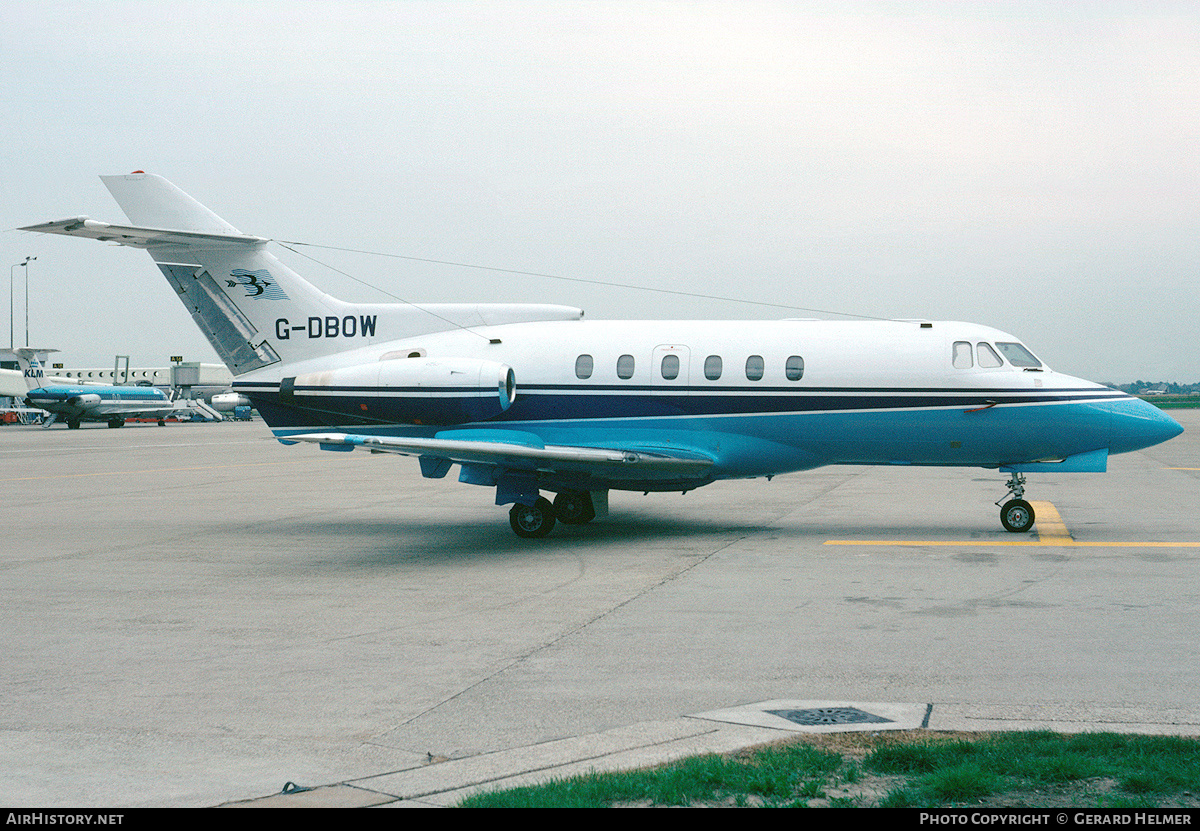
{"x": 1016, "y": 515}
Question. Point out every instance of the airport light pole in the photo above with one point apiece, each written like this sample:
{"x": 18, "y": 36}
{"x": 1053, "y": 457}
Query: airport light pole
{"x": 26, "y": 264}
{"x": 10, "y": 300}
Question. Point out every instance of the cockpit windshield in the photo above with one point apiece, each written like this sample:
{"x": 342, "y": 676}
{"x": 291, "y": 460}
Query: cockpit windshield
{"x": 1018, "y": 355}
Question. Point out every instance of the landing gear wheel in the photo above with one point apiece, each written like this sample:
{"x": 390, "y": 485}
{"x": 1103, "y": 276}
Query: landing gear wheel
{"x": 162, "y": 423}
{"x": 532, "y": 521}
{"x": 1017, "y": 516}
{"x": 116, "y": 422}
{"x": 72, "y": 424}
{"x": 574, "y": 507}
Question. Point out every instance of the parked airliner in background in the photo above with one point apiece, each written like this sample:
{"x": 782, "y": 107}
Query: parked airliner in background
{"x": 75, "y": 403}
{"x": 531, "y": 398}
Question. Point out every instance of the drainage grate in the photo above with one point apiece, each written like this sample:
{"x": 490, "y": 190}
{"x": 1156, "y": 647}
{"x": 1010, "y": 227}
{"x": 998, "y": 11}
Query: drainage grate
{"x": 830, "y": 715}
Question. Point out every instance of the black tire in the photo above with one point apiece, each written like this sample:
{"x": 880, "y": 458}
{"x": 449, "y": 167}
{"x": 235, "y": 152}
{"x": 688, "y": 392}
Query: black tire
{"x": 72, "y": 425}
{"x": 574, "y": 507}
{"x": 1017, "y": 516}
{"x": 116, "y": 422}
{"x": 532, "y": 521}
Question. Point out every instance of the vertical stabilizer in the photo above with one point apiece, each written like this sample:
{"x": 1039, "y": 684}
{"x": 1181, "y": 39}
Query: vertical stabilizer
{"x": 249, "y": 305}
{"x": 152, "y": 202}
{"x": 32, "y": 362}
{"x": 255, "y": 311}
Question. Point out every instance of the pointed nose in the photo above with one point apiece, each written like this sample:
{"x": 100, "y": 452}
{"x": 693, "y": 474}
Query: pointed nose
{"x": 1137, "y": 425}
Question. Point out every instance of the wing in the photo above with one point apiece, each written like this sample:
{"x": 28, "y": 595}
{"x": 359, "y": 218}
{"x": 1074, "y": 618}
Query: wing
{"x": 514, "y": 450}
{"x": 131, "y": 409}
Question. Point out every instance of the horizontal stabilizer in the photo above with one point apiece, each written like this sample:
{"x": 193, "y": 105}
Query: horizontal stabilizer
{"x": 81, "y": 226}
{"x": 27, "y": 352}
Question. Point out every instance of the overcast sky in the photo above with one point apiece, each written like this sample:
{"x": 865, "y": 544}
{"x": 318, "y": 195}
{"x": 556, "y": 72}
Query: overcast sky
{"x": 1033, "y": 166}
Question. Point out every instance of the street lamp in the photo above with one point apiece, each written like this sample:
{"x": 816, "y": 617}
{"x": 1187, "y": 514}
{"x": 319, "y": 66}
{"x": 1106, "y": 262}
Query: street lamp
{"x": 24, "y": 265}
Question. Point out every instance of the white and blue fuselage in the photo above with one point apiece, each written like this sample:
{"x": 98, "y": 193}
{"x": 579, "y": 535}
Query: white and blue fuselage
{"x": 530, "y": 397}
{"x": 99, "y": 402}
{"x": 757, "y": 397}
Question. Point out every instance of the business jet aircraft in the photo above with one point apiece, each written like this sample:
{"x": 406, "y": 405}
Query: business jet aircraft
{"x": 531, "y": 398}
{"x": 75, "y": 403}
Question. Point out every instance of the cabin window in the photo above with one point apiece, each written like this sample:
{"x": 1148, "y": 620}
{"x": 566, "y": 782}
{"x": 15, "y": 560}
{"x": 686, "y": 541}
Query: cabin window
{"x": 754, "y": 368}
{"x": 1018, "y": 355}
{"x": 670, "y": 367}
{"x": 988, "y": 357}
{"x": 962, "y": 355}
{"x": 794, "y": 368}
{"x": 625, "y": 366}
{"x": 712, "y": 367}
{"x": 583, "y": 367}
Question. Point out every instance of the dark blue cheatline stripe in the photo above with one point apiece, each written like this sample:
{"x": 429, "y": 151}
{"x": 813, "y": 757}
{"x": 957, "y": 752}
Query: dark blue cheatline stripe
{"x": 544, "y": 403}
{"x": 531, "y": 406}
{"x": 794, "y": 389}
{"x": 1070, "y": 393}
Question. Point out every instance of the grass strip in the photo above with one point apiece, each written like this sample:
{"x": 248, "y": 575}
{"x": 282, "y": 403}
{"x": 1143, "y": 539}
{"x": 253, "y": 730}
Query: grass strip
{"x": 899, "y": 769}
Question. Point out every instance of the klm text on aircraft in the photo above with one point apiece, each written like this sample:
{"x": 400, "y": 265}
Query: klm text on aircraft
{"x": 530, "y": 399}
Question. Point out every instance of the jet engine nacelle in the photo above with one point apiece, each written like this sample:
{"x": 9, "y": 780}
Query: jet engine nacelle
{"x": 414, "y": 390}
{"x": 226, "y": 402}
{"x": 84, "y": 402}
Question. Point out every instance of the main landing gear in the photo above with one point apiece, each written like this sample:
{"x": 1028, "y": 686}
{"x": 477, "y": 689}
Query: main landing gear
{"x": 1016, "y": 514}
{"x": 574, "y": 507}
{"x": 537, "y": 520}
{"x": 532, "y": 521}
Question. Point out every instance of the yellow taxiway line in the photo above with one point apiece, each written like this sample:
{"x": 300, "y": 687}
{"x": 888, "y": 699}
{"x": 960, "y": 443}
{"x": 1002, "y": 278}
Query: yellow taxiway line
{"x": 1051, "y": 533}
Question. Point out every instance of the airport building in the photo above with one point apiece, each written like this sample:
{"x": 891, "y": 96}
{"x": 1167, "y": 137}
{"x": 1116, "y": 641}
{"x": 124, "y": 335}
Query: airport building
{"x": 177, "y": 375}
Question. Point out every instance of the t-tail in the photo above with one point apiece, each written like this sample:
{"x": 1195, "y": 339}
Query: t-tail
{"x": 32, "y": 362}
{"x": 254, "y": 310}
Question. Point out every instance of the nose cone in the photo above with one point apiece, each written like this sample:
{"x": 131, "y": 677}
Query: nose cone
{"x": 1136, "y": 425}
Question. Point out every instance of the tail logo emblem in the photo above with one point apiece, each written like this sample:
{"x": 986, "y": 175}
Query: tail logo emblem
{"x": 257, "y": 284}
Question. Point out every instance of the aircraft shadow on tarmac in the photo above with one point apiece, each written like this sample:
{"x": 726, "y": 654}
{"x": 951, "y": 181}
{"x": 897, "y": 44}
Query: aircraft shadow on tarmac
{"x": 385, "y": 540}
{"x": 462, "y": 538}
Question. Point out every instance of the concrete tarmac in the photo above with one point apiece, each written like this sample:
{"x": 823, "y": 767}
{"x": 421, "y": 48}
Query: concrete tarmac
{"x": 195, "y": 615}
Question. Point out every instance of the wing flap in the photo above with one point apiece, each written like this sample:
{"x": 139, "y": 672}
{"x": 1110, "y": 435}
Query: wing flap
{"x": 625, "y": 463}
